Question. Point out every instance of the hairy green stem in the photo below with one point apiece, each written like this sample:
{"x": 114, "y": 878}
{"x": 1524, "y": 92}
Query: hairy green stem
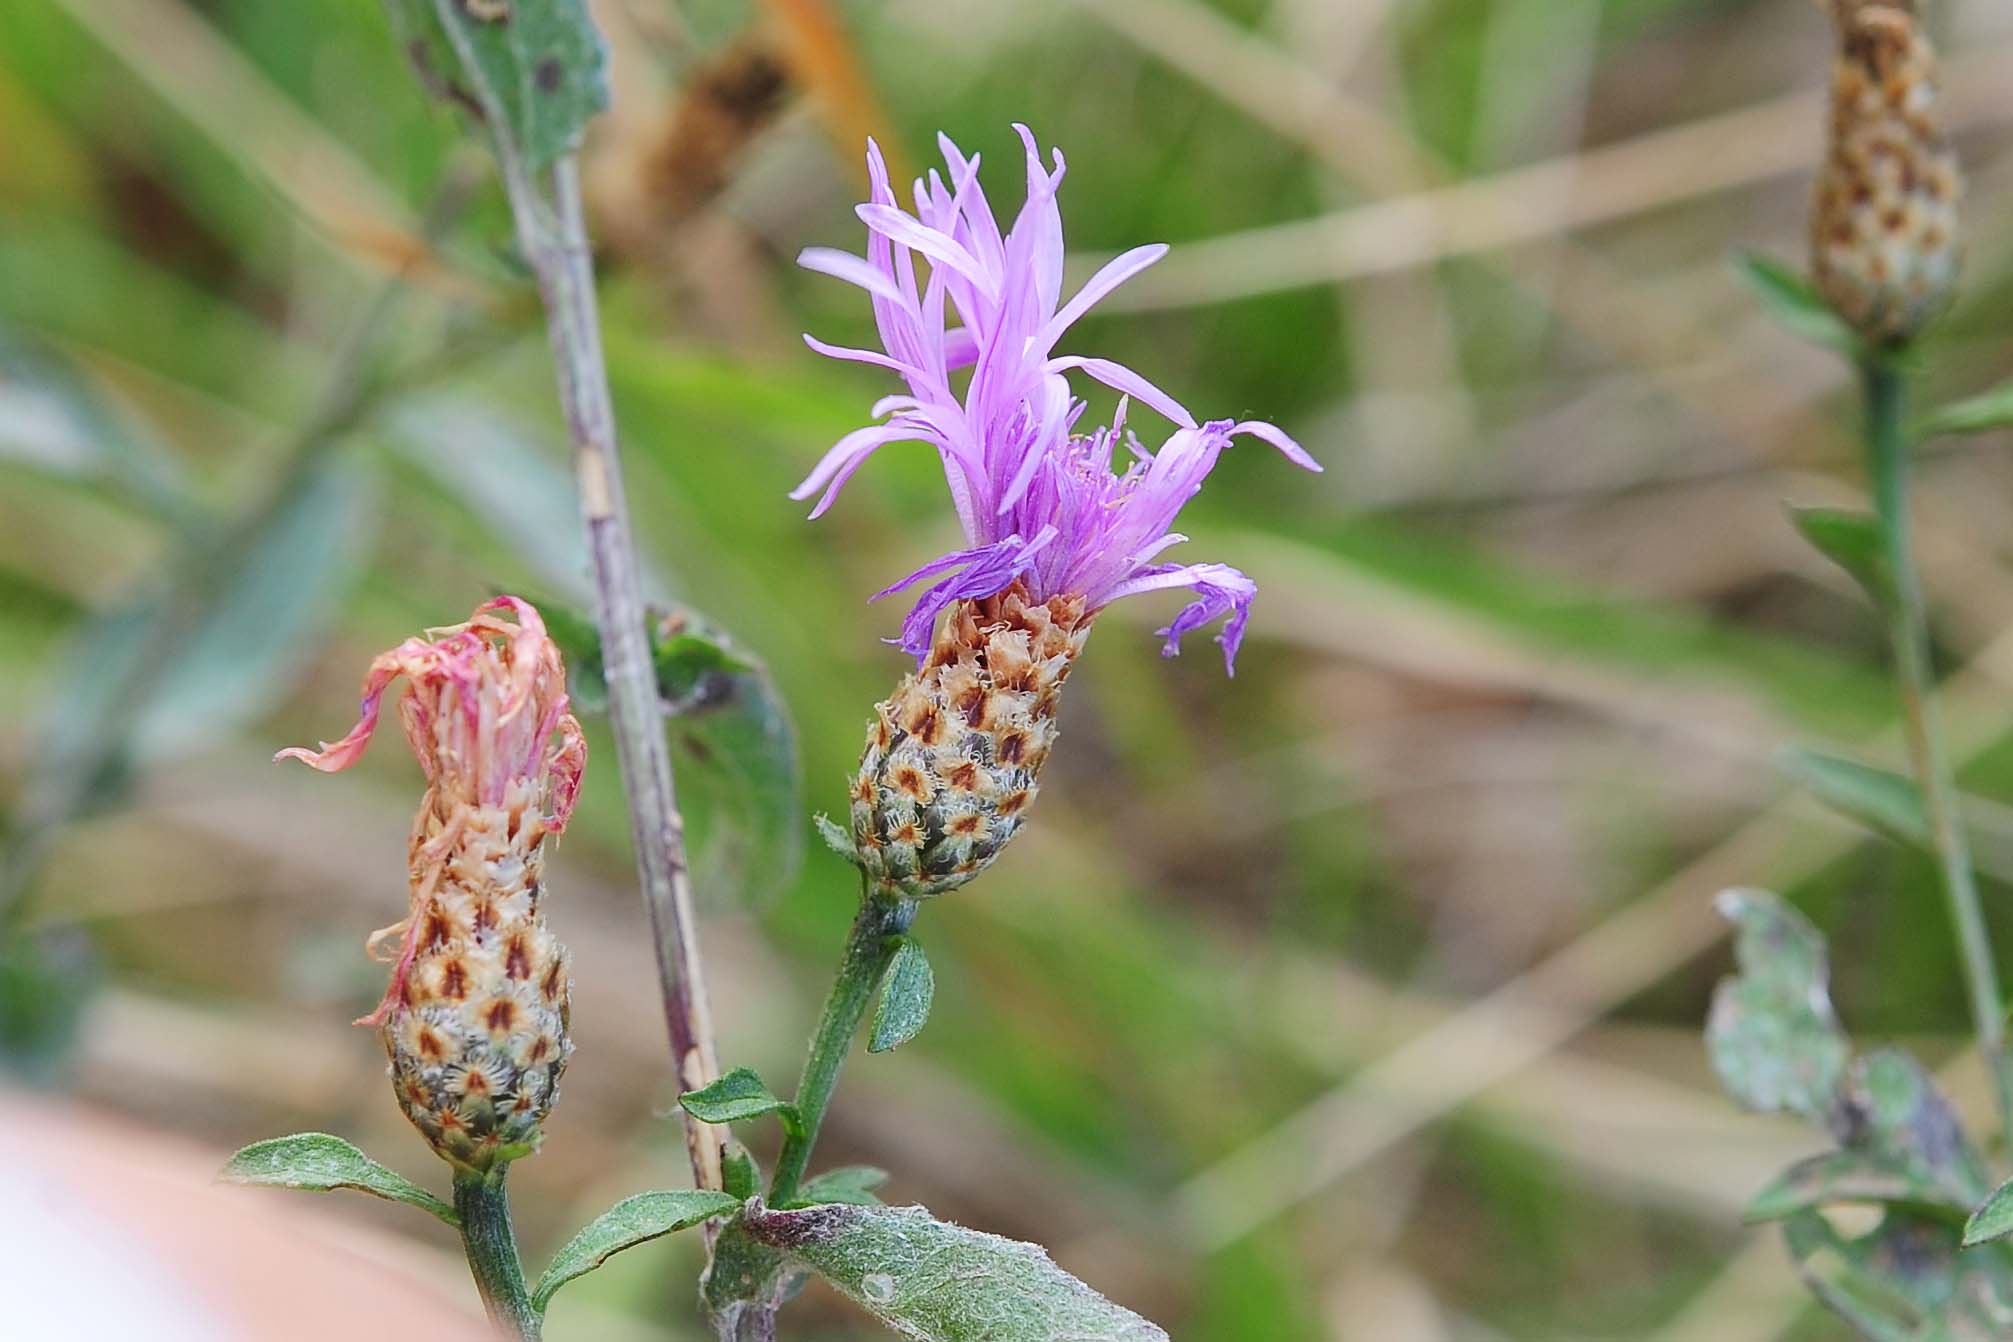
{"x": 491, "y": 1242}
{"x": 869, "y": 948}
{"x": 1887, "y": 467}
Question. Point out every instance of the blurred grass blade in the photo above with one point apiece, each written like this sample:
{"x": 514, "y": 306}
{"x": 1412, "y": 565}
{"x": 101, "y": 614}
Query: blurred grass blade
{"x": 1976, "y": 414}
{"x": 1884, "y": 801}
{"x": 1851, "y": 540}
{"x": 320, "y": 1163}
{"x": 523, "y": 495}
{"x": 540, "y": 63}
{"x": 1790, "y": 299}
{"x": 936, "y": 1282}
{"x": 53, "y": 419}
{"x": 1772, "y": 1034}
{"x": 632, "y": 1221}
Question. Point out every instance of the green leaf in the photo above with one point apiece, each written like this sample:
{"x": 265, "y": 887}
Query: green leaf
{"x": 1993, "y": 1219}
{"x": 1906, "y": 1280}
{"x": 1886, "y": 802}
{"x": 1772, "y": 1034}
{"x": 1975, "y": 414}
{"x": 1889, "y": 1106}
{"x": 632, "y": 1221}
{"x": 852, "y": 1185}
{"x": 907, "y": 989}
{"x": 739, "y": 1173}
{"x": 1834, "y": 1177}
{"x": 837, "y": 837}
{"x": 738, "y": 771}
{"x": 320, "y": 1162}
{"x": 534, "y": 70}
{"x": 1791, "y": 300}
{"x": 933, "y": 1281}
{"x": 1852, "y": 540}
{"x": 54, "y": 419}
{"x": 738, "y": 1095}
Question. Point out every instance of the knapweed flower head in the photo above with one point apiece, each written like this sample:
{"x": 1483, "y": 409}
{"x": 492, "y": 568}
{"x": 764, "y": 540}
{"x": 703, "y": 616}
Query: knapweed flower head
{"x": 1060, "y": 519}
{"x": 474, "y": 1019}
{"x": 1884, "y": 245}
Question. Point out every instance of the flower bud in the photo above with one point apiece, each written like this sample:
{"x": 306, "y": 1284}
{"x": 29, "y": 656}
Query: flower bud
{"x": 1884, "y": 225}
{"x": 474, "y": 1019}
{"x": 952, "y": 758}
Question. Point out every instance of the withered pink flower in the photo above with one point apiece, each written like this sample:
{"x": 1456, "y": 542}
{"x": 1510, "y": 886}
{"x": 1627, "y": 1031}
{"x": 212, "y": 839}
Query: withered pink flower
{"x": 474, "y": 1019}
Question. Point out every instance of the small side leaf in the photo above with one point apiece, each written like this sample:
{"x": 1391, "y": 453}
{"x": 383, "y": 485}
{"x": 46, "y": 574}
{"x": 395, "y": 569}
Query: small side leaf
{"x": 1975, "y": 414}
{"x": 852, "y": 1185}
{"x": 1889, "y": 1106}
{"x": 739, "y": 1174}
{"x": 1851, "y": 540}
{"x": 1791, "y": 300}
{"x": 534, "y": 69}
{"x": 632, "y": 1221}
{"x": 933, "y": 1281}
{"x": 1886, "y": 802}
{"x": 320, "y": 1162}
{"x": 738, "y": 1095}
{"x": 1772, "y": 1034}
{"x": 907, "y": 990}
{"x": 1993, "y": 1219}
{"x": 837, "y": 837}
{"x": 1835, "y": 1177}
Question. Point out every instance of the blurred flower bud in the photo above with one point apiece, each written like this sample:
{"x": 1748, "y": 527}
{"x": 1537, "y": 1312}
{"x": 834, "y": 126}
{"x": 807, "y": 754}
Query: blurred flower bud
{"x": 953, "y": 755}
{"x": 474, "y": 1019}
{"x": 1884, "y": 226}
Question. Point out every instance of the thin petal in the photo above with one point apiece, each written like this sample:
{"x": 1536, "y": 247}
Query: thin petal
{"x": 898, "y": 226}
{"x": 844, "y": 457}
{"x": 1120, "y": 378}
{"x": 1109, "y": 276}
{"x": 852, "y": 269}
{"x": 1273, "y": 434}
{"x": 874, "y": 357}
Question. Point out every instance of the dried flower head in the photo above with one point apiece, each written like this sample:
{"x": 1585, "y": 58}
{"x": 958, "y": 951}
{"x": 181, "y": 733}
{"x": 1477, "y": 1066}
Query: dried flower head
{"x": 1054, "y": 531}
{"x": 474, "y": 1019}
{"x": 1884, "y": 225}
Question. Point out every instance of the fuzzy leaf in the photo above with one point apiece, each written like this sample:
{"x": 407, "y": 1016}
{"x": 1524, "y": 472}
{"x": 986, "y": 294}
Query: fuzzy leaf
{"x": 736, "y": 751}
{"x": 932, "y": 1281}
{"x": 1975, "y": 414}
{"x": 1993, "y": 1219}
{"x": 837, "y": 837}
{"x": 1889, "y": 1106}
{"x": 535, "y": 70}
{"x": 738, "y": 1095}
{"x": 1886, "y": 802}
{"x": 1904, "y": 1281}
{"x": 1772, "y": 1034}
{"x": 1841, "y": 1176}
{"x": 632, "y": 1221}
{"x": 320, "y": 1163}
{"x": 739, "y": 1174}
{"x": 1790, "y": 299}
{"x": 852, "y": 1185}
{"x": 1851, "y": 540}
{"x": 907, "y": 990}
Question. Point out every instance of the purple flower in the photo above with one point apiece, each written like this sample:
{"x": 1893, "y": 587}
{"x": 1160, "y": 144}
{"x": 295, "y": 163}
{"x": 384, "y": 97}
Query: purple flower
{"x": 1039, "y": 501}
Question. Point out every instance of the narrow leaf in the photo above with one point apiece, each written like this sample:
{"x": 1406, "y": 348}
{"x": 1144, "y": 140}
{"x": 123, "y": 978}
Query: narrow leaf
{"x": 739, "y": 1174}
{"x": 738, "y": 1095}
{"x": 1835, "y": 1177}
{"x": 1772, "y": 1034}
{"x": 1790, "y": 299}
{"x": 534, "y": 70}
{"x": 1851, "y": 540}
{"x": 320, "y": 1162}
{"x": 54, "y": 418}
{"x": 852, "y": 1185}
{"x": 836, "y": 836}
{"x": 907, "y": 990}
{"x": 932, "y": 1281}
{"x": 1993, "y": 1219}
{"x": 1975, "y": 414}
{"x": 1885, "y": 802}
{"x": 632, "y": 1221}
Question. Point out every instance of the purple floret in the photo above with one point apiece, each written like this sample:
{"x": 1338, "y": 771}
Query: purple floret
{"x": 1040, "y": 503}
